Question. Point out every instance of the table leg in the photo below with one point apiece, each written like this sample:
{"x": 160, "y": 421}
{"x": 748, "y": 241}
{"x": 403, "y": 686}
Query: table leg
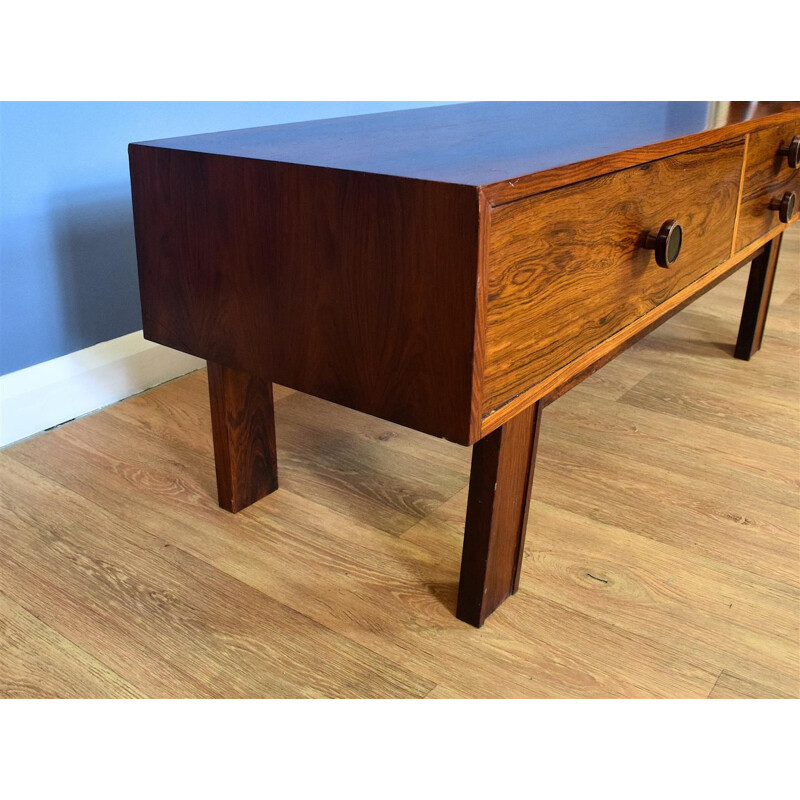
{"x": 497, "y": 514}
{"x": 756, "y": 301}
{"x": 243, "y": 425}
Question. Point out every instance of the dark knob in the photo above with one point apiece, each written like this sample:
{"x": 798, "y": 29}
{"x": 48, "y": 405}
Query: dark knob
{"x": 785, "y": 206}
{"x": 792, "y": 152}
{"x": 667, "y": 243}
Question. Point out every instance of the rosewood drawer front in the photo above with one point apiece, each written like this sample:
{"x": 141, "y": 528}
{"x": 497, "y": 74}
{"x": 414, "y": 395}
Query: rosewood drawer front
{"x": 568, "y": 268}
{"x": 768, "y": 177}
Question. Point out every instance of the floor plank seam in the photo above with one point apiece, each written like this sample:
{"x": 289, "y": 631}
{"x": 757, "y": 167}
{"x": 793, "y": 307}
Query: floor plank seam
{"x": 708, "y": 697}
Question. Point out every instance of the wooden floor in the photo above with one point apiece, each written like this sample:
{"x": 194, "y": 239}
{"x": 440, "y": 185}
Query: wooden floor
{"x": 662, "y": 559}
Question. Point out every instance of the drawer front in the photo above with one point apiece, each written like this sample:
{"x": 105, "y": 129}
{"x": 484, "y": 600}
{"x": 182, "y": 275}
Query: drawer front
{"x": 767, "y": 177}
{"x": 567, "y": 268}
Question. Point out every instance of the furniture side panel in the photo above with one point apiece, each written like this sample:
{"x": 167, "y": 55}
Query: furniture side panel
{"x": 353, "y": 287}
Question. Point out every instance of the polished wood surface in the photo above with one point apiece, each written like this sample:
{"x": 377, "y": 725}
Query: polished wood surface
{"x": 717, "y": 129}
{"x": 243, "y": 426}
{"x": 623, "y": 343}
{"x": 661, "y": 556}
{"x": 372, "y": 290}
{"x": 497, "y": 516}
{"x": 471, "y": 144}
{"x": 573, "y": 372}
{"x": 756, "y": 301}
{"x": 353, "y": 287}
{"x": 567, "y": 269}
{"x": 767, "y": 177}
{"x": 509, "y": 149}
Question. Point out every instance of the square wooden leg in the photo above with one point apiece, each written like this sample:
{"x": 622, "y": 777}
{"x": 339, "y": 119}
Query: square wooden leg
{"x": 756, "y": 301}
{"x": 497, "y": 515}
{"x": 243, "y": 425}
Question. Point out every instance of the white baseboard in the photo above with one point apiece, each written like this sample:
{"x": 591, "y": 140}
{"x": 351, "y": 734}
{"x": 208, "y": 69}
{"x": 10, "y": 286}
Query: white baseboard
{"x": 47, "y": 394}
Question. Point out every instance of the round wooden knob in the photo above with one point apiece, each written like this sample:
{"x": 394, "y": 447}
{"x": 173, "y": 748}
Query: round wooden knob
{"x": 667, "y": 243}
{"x": 785, "y": 206}
{"x": 792, "y": 152}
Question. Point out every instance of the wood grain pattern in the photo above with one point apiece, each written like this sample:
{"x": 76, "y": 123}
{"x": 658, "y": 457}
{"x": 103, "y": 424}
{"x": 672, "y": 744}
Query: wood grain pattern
{"x": 567, "y": 269}
{"x": 243, "y": 425}
{"x": 353, "y": 287}
{"x": 734, "y": 687}
{"x": 572, "y": 378}
{"x": 693, "y": 524}
{"x": 479, "y": 345}
{"x": 657, "y": 592}
{"x": 497, "y": 516}
{"x": 349, "y": 475}
{"x": 735, "y": 236}
{"x": 674, "y": 392}
{"x": 338, "y": 570}
{"x": 36, "y": 662}
{"x": 522, "y": 186}
{"x": 767, "y": 177}
{"x": 756, "y": 301}
{"x": 147, "y": 604}
{"x": 584, "y": 364}
{"x": 332, "y": 280}
{"x": 626, "y": 451}
{"x": 497, "y": 145}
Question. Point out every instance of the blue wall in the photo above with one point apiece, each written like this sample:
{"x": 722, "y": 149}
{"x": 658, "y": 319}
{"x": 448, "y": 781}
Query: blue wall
{"x": 67, "y": 257}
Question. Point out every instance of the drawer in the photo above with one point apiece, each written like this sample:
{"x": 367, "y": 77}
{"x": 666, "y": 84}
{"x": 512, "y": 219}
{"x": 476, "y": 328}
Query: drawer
{"x": 566, "y": 269}
{"x": 767, "y": 177}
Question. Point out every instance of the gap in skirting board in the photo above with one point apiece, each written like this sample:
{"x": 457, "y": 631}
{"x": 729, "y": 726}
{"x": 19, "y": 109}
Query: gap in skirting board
{"x": 45, "y": 395}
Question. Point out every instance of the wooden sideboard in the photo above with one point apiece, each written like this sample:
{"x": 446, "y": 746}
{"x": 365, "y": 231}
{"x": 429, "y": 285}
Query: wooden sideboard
{"x": 452, "y": 269}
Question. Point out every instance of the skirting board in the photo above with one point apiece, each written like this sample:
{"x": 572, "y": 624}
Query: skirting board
{"x": 39, "y": 397}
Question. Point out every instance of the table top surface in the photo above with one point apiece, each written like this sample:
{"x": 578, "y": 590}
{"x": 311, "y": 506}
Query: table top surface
{"x": 467, "y": 143}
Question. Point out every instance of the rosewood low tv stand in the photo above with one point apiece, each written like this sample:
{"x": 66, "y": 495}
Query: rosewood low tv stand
{"x": 452, "y": 269}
